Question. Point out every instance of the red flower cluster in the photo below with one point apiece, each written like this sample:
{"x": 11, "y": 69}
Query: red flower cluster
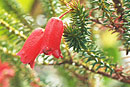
{"x": 47, "y": 42}
{"x": 35, "y": 83}
{"x": 5, "y": 74}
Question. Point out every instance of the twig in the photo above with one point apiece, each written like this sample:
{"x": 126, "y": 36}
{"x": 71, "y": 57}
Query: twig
{"x": 12, "y": 29}
{"x": 98, "y": 22}
{"x": 5, "y": 50}
{"x": 116, "y": 75}
{"x": 80, "y": 77}
{"x": 65, "y": 13}
{"x": 52, "y": 8}
{"x": 118, "y": 6}
{"x": 108, "y": 15}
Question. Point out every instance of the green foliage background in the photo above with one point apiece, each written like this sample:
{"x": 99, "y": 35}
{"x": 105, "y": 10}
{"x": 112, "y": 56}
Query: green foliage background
{"x": 80, "y": 46}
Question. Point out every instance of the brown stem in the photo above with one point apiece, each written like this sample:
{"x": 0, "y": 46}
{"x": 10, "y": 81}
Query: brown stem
{"x": 65, "y": 13}
{"x": 115, "y": 75}
{"x": 119, "y": 8}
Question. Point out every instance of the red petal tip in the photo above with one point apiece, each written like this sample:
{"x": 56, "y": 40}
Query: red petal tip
{"x": 32, "y": 63}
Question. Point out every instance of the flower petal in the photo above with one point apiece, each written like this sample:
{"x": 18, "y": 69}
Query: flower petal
{"x": 32, "y": 47}
{"x": 32, "y": 63}
{"x": 57, "y": 54}
{"x": 52, "y": 37}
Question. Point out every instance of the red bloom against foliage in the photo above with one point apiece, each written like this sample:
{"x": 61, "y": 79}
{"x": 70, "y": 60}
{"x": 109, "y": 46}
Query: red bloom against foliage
{"x": 47, "y": 42}
{"x": 32, "y": 47}
{"x": 35, "y": 83}
{"x": 52, "y": 37}
{"x": 5, "y": 74}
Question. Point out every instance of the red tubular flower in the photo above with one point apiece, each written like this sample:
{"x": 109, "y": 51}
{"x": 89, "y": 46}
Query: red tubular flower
{"x": 32, "y": 47}
{"x": 47, "y": 42}
{"x": 52, "y": 37}
{"x": 6, "y": 72}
